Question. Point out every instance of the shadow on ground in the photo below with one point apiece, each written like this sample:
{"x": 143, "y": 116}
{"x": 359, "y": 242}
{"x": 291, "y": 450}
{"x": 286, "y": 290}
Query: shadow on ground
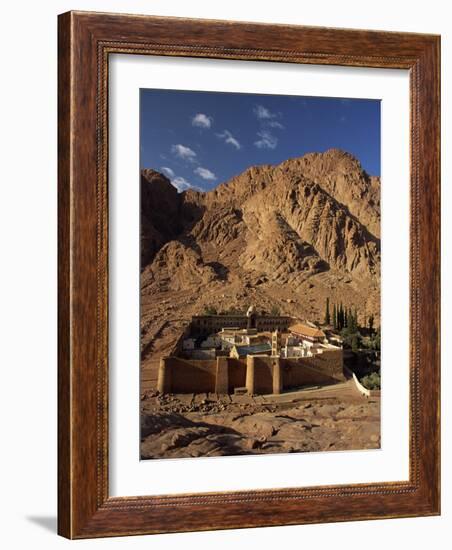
{"x": 49, "y": 523}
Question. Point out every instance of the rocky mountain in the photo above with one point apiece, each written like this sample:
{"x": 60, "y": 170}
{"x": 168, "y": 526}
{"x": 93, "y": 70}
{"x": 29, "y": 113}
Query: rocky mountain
{"x": 284, "y": 237}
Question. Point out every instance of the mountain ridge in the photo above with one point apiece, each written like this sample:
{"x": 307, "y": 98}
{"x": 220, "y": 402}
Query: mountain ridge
{"x": 284, "y": 236}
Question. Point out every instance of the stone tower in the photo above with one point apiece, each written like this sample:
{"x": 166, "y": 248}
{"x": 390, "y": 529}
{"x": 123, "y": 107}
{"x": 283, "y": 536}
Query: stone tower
{"x": 276, "y": 343}
{"x": 251, "y": 315}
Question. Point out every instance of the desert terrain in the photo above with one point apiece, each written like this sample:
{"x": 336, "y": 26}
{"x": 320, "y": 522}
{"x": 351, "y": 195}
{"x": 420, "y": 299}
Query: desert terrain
{"x": 333, "y": 418}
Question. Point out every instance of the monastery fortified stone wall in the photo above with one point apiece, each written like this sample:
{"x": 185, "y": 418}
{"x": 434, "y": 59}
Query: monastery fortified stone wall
{"x": 258, "y": 374}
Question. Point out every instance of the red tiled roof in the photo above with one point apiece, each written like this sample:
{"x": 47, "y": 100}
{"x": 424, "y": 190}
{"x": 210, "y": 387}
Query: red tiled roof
{"x": 306, "y": 330}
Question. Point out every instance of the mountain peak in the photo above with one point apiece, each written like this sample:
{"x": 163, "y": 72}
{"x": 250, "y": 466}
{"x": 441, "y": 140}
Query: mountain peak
{"x": 156, "y": 179}
{"x": 291, "y": 235}
{"x": 330, "y": 160}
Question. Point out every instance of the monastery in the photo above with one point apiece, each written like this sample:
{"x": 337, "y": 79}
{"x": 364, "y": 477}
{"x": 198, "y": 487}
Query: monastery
{"x": 254, "y": 354}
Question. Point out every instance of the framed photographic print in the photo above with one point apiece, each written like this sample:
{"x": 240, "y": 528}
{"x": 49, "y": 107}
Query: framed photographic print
{"x": 248, "y": 275}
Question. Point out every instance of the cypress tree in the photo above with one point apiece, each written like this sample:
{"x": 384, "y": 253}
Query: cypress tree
{"x": 341, "y": 317}
{"x": 335, "y": 316}
{"x": 371, "y": 324}
{"x": 327, "y": 312}
{"x": 351, "y": 322}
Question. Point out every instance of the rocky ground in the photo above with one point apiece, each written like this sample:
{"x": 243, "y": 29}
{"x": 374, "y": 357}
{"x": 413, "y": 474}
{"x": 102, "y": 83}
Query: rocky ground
{"x": 331, "y": 418}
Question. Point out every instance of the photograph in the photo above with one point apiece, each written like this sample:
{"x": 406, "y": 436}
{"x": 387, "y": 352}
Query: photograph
{"x": 259, "y": 274}
{"x": 223, "y": 319}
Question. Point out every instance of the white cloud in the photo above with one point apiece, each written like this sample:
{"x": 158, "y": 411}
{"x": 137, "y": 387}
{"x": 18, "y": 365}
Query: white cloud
{"x": 205, "y": 173}
{"x": 275, "y": 124}
{"x": 263, "y": 113}
{"x": 230, "y": 139}
{"x": 266, "y": 140}
{"x": 202, "y": 121}
{"x": 267, "y": 118}
{"x": 167, "y": 171}
{"x": 181, "y": 184}
{"x": 183, "y": 152}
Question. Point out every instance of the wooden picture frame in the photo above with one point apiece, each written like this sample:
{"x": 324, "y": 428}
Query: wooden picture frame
{"x": 86, "y": 40}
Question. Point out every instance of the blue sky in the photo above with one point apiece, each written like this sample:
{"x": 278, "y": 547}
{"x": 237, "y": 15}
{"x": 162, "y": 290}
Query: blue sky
{"x": 201, "y": 139}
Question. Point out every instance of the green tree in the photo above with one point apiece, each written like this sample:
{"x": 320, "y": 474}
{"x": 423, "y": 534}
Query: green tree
{"x": 275, "y": 310}
{"x": 327, "y": 312}
{"x": 340, "y": 317}
{"x": 372, "y": 381}
{"x": 375, "y": 342}
{"x": 351, "y": 339}
{"x": 370, "y": 323}
{"x": 335, "y": 317}
{"x": 352, "y": 320}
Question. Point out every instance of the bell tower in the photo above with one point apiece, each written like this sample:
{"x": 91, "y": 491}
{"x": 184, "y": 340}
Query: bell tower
{"x": 276, "y": 343}
{"x": 251, "y": 315}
